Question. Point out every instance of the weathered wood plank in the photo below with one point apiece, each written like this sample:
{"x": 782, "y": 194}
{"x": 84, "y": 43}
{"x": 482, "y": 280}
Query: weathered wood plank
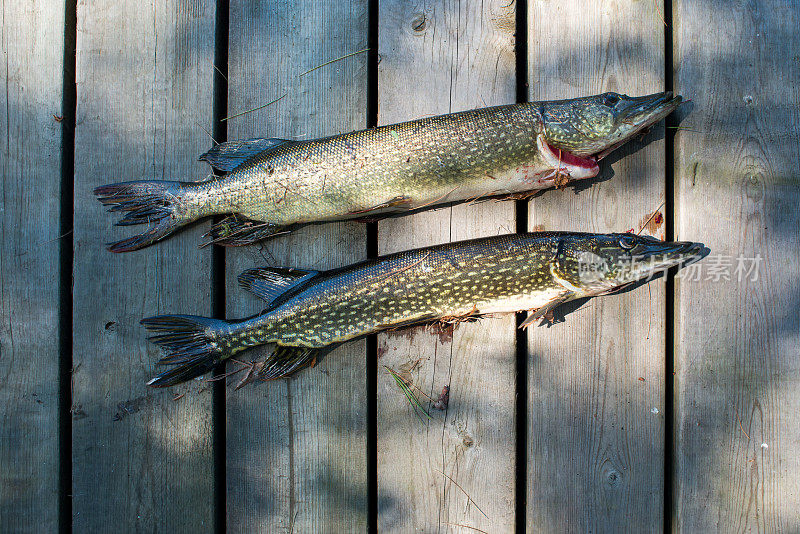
{"x": 737, "y": 355}
{"x": 141, "y": 460}
{"x": 296, "y": 449}
{"x": 596, "y": 396}
{"x": 30, "y": 155}
{"x": 441, "y": 57}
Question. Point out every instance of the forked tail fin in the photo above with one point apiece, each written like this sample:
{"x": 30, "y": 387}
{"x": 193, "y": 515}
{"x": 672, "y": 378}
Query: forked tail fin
{"x": 154, "y": 202}
{"x": 193, "y": 343}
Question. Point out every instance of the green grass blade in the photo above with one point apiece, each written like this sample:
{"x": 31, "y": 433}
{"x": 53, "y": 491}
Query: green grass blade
{"x": 412, "y": 399}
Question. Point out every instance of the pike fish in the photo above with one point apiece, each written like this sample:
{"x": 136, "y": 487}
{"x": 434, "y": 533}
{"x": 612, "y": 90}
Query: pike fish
{"x": 310, "y": 312}
{"x": 275, "y": 185}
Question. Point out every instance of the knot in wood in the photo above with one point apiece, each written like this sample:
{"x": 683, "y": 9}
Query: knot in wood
{"x": 754, "y": 186}
{"x": 613, "y": 478}
{"x": 419, "y": 23}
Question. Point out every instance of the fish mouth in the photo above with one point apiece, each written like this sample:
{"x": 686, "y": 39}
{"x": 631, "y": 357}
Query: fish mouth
{"x": 656, "y": 258}
{"x": 659, "y": 255}
{"x": 640, "y": 114}
{"x": 635, "y": 116}
{"x": 566, "y": 162}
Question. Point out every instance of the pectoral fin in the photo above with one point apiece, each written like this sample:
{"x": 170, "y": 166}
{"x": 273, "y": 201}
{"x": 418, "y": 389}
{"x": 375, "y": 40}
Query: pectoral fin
{"x": 547, "y": 309}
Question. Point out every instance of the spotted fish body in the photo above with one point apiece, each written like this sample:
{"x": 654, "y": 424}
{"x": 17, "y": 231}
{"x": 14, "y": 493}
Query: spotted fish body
{"x": 274, "y": 185}
{"x": 497, "y": 275}
{"x": 311, "y": 311}
{"x": 450, "y": 158}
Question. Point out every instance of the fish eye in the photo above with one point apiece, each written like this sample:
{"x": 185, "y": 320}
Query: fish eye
{"x": 627, "y": 242}
{"x": 611, "y": 99}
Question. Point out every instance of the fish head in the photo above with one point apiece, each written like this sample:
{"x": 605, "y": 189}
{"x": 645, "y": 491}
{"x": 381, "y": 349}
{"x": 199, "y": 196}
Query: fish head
{"x": 596, "y": 264}
{"x": 580, "y": 132}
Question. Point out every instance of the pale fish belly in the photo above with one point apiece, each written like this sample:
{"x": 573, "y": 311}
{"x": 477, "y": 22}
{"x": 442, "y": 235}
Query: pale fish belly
{"x": 513, "y": 303}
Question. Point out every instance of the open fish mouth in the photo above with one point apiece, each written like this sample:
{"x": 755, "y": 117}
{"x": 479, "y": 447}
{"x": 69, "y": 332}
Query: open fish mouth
{"x": 566, "y": 162}
{"x": 579, "y": 157}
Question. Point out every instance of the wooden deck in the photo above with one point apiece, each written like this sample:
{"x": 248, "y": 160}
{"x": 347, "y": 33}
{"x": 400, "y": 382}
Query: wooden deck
{"x": 671, "y": 407}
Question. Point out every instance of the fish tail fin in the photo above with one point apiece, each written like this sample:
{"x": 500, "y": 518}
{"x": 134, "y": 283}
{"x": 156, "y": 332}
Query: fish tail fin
{"x": 235, "y": 230}
{"x": 161, "y": 204}
{"x": 194, "y": 346}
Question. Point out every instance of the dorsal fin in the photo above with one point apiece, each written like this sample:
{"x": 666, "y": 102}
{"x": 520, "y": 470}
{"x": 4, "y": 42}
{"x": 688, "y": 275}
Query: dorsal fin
{"x": 228, "y": 156}
{"x": 269, "y": 283}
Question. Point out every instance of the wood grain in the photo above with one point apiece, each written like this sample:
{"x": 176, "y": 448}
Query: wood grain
{"x": 30, "y": 161}
{"x": 737, "y": 355}
{"x": 596, "y": 394}
{"x": 296, "y": 448}
{"x": 141, "y": 461}
{"x": 441, "y": 57}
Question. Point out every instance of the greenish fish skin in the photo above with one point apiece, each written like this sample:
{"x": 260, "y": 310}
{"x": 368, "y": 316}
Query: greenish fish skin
{"x": 389, "y": 170}
{"x": 471, "y": 278}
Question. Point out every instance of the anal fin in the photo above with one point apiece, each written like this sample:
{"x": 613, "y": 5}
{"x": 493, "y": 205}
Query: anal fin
{"x": 417, "y": 321}
{"x": 286, "y": 361}
{"x": 396, "y": 202}
{"x": 235, "y": 230}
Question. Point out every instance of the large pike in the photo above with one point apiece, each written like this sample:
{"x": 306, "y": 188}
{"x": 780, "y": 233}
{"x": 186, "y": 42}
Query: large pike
{"x": 309, "y": 312}
{"x": 274, "y": 185}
